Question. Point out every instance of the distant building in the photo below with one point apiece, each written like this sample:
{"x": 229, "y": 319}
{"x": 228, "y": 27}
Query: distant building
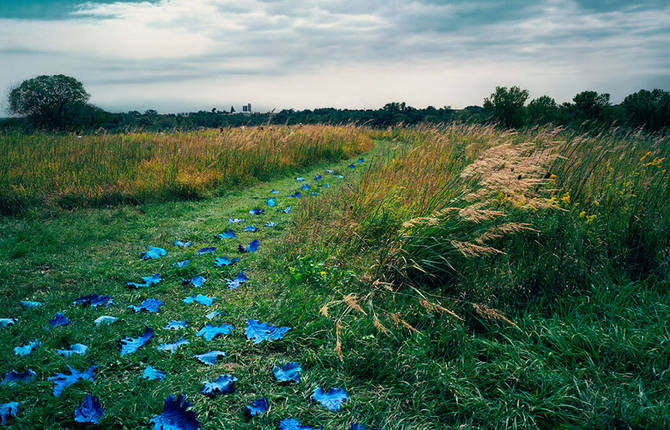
{"x": 246, "y": 108}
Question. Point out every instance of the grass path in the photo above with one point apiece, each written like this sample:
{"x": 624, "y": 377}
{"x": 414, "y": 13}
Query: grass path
{"x": 55, "y": 260}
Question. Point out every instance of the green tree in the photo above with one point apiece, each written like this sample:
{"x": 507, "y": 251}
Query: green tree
{"x": 45, "y": 99}
{"x": 506, "y": 106}
{"x": 590, "y": 105}
{"x": 650, "y": 109}
{"x": 542, "y": 110}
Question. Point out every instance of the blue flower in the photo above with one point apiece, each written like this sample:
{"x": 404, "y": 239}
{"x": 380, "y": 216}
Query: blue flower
{"x": 153, "y": 252}
{"x": 30, "y": 304}
{"x": 258, "y": 331}
{"x": 210, "y": 357}
{"x": 360, "y": 160}
{"x": 209, "y": 332}
{"x": 287, "y": 210}
{"x": 200, "y": 298}
{"x": 152, "y": 374}
{"x": 197, "y": 281}
{"x": 4, "y": 322}
{"x": 206, "y": 250}
{"x": 271, "y": 201}
{"x": 252, "y": 247}
{"x": 77, "y": 348}
{"x": 228, "y": 234}
{"x": 27, "y": 349}
{"x": 172, "y": 347}
{"x": 235, "y": 220}
{"x": 296, "y": 194}
{"x": 288, "y": 372}
{"x": 331, "y": 399}
{"x": 62, "y": 381}
{"x": 258, "y": 407}
{"x": 182, "y": 263}
{"x": 317, "y": 178}
{"x": 270, "y": 224}
{"x": 105, "y": 320}
{"x": 89, "y": 411}
{"x": 59, "y": 320}
{"x": 224, "y": 384}
{"x": 147, "y": 281}
{"x": 176, "y": 325}
{"x": 8, "y": 410}
{"x": 13, "y": 377}
{"x": 150, "y": 305}
{"x": 250, "y": 228}
{"x": 182, "y": 244}
{"x": 175, "y": 416}
{"x": 224, "y": 261}
{"x": 293, "y": 424}
{"x": 95, "y": 300}
{"x": 256, "y": 211}
{"x": 299, "y": 178}
{"x": 132, "y": 344}
{"x": 305, "y": 187}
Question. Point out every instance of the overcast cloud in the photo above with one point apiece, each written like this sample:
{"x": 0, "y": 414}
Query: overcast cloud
{"x": 179, "y": 55}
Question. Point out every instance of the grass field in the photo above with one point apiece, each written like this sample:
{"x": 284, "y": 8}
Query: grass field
{"x": 458, "y": 278}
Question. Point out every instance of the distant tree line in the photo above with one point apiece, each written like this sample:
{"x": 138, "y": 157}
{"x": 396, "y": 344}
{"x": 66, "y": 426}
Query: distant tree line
{"x": 60, "y": 103}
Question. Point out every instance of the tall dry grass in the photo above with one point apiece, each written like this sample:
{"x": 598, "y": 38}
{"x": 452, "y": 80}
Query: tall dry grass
{"x": 72, "y": 171}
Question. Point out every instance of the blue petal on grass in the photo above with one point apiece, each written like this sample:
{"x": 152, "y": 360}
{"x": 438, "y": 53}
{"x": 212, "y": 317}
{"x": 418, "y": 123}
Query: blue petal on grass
{"x": 132, "y": 344}
{"x": 152, "y": 253}
{"x": 305, "y": 187}
{"x": 330, "y": 171}
{"x": 152, "y": 374}
{"x": 30, "y": 304}
{"x": 176, "y": 325}
{"x": 4, "y": 322}
{"x": 360, "y": 160}
{"x": 149, "y": 305}
{"x": 317, "y": 178}
{"x": 294, "y": 424}
{"x": 105, "y": 320}
{"x": 207, "y": 250}
{"x": 299, "y": 179}
{"x": 225, "y": 261}
{"x": 252, "y": 247}
{"x": 89, "y": 411}
{"x": 172, "y": 347}
{"x": 59, "y": 320}
{"x": 224, "y": 384}
{"x": 351, "y": 166}
{"x": 314, "y": 193}
{"x": 210, "y": 357}
{"x": 259, "y": 331}
{"x": 339, "y": 177}
{"x": 209, "y": 332}
{"x": 296, "y": 194}
{"x": 235, "y": 220}
{"x": 62, "y": 380}
{"x": 270, "y": 224}
{"x": 95, "y": 300}
{"x": 287, "y": 210}
{"x": 7, "y": 410}
{"x": 147, "y": 281}
{"x": 251, "y": 228}
{"x": 213, "y": 315}
{"x": 237, "y": 281}
{"x": 200, "y": 298}
{"x": 271, "y": 201}
{"x": 197, "y": 281}
{"x": 331, "y": 399}
{"x": 77, "y": 348}
{"x": 27, "y": 349}
{"x": 182, "y": 244}
{"x": 182, "y": 263}
{"x": 274, "y": 191}
{"x": 228, "y": 234}
{"x": 258, "y": 407}
{"x": 256, "y": 211}
{"x": 176, "y": 415}
{"x": 357, "y": 426}
{"x": 13, "y": 377}
{"x": 288, "y": 372}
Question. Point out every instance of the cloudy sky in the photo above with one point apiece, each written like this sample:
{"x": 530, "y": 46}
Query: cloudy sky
{"x": 182, "y": 55}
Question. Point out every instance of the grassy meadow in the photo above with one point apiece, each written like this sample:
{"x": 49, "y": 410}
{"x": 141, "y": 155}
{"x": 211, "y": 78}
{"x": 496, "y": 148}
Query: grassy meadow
{"x": 459, "y": 277}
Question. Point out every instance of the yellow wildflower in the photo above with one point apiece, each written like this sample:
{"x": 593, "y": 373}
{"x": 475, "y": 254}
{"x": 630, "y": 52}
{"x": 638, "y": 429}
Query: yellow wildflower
{"x": 596, "y": 202}
{"x": 590, "y": 218}
{"x": 566, "y": 197}
{"x": 645, "y": 156}
{"x": 582, "y": 214}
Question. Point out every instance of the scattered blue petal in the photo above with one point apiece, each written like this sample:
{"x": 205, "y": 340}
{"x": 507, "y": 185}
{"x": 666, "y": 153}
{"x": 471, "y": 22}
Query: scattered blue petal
{"x": 287, "y": 210}
{"x": 351, "y": 166}
{"x": 314, "y": 193}
{"x": 147, "y": 281}
{"x": 294, "y": 424}
{"x": 209, "y": 332}
{"x": 77, "y": 348}
{"x": 182, "y": 263}
{"x": 228, "y": 234}
{"x": 256, "y": 211}
{"x": 274, "y": 191}
{"x": 197, "y": 281}
{"x": 224, "y": 384}
{"x": 172, "y": 347}
{"x": 176, "y": 325}
{"x": 149, "y": 305}
{"x": 288, "y": 372}
{"x": 175, "y": 416}
{"x": 270, "y": 224}
{"x": 153, "y": 252}
{"x": 360, "y": 160}
{"x": 237, "y": 281}
{"x": 206, "y": 250}
{"x": 8, "y": 410}
{"x": 317, "y": 178}
{"x": 330, "y": 170}
{"x": 30, "y": 304}
{"x": 326, "y": 185}
{"x": 212, "y": 315}
{"x": 331, "y": 399}
{"x": 235, "y": 220}
{"x": 258, "y": 331}
{"x": 182, "y": 244}
{"x": 132, "y": 344}
{"x": 299, "y": 178}
{"x": 296, "y": 194}
{"x": 225, "y": 261}
{"x": 27, "y": 349}
{"x": 59, "y": 320}
{"x": 339, "y": 177}
{"x": 95, "y": 300}
{"x": 305, "y": 187}
{"x": 13, "y": 377}
{"x": 62, "y": 381}
{"x": 271, "y": 201}
{"x": 89, "y": 411}
{"x": 250, "y": 228}
{"x": 210, "y": 357}
{"x": 200, "y": 298}
{"x": 258, "y": 407}
{"x": 4, "y": 322}
{"x": 105, "y": 320}
{"x": 152, "y": 374}
{"x": 252, "y": 247}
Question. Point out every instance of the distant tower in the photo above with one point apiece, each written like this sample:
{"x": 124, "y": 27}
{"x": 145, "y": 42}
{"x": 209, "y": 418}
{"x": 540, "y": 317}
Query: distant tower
{"x": 249, "y": 107}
